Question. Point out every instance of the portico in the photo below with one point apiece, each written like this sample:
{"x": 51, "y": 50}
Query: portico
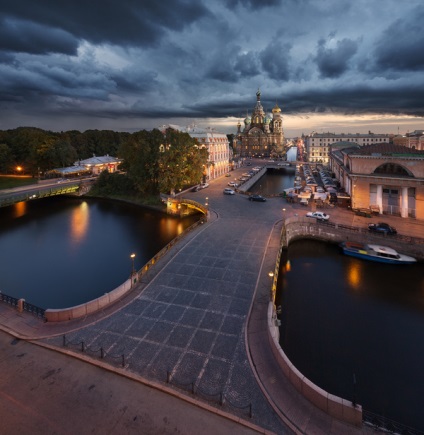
{"x": 386, "y": 177}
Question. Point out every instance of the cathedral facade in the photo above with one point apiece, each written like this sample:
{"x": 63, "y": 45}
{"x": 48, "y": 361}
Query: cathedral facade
{"x": 262, "y": 135}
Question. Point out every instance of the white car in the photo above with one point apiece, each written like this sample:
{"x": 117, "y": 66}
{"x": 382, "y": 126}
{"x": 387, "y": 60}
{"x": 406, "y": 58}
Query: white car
{"x": 233, "y": 184}
{"x": 228, "y": 191}
{"x": 204, "y": 185}
{"x": 318, "y": 215}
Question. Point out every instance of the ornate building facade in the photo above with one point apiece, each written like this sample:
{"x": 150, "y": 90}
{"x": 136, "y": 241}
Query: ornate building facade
{"x": 263, "y": 133}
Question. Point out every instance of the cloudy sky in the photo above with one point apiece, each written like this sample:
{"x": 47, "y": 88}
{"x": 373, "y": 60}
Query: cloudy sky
{"x": 331, "y": 65}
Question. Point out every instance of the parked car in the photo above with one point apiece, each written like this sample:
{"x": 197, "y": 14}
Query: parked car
{"x": 233, "y": 184}
{"x": 228, "y": 191}
{"x": 319, "y": 215}
{"x": 382, "y": 228}
{"x": 258, "y": 198}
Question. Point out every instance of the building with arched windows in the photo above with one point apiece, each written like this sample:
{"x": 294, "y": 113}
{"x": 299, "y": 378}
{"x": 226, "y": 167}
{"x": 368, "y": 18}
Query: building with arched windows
{"x": 263, "y": 133}
{"x": 385, "y": 177}
{"x": 216, "y": 143}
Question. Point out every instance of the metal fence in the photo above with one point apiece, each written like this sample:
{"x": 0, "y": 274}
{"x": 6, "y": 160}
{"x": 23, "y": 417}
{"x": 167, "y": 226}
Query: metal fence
{"x": 15, "y": 302}
{"x": 384, "y": 424}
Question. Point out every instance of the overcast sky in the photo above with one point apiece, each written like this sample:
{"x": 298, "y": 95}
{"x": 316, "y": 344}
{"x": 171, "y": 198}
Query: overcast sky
{"x": 331, "y": 65}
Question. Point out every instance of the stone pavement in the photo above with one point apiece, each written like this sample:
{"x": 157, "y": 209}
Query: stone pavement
{"x": 191, "y": 322}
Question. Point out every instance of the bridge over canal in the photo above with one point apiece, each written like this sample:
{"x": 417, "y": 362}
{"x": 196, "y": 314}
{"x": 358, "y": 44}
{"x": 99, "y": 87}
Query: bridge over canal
{"x": 38, "y": 191}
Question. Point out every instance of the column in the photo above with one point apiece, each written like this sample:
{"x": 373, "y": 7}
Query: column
{"x": 380, "y": 197}
{"x": 404, "y": 203}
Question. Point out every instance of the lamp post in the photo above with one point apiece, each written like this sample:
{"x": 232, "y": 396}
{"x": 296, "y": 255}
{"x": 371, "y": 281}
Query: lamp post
{"x": 284, "y": 215}
{"x": 132, "y": 256}
{"x": 271, "y": 276}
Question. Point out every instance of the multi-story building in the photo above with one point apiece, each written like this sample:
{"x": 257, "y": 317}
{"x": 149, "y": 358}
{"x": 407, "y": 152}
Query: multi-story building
{"x": 385, "y": 177}
{"x": 263, "y": 133}
{"x": 318, "y": 145}
{"x": 413, "y": 140}
{"x": 217, "y": 145}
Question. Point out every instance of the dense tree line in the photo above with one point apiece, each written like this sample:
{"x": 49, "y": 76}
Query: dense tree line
{"x": 153, "y": 161}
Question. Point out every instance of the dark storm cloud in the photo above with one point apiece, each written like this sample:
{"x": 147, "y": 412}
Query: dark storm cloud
{"x": 26, "y": 36}
{"x": 275, "y": 61}
{"x": 252, "y": 4}
{"x": 401, "y": 46}
{"x": 333, "y": 62}
{"x": 107, "y": 21}
{"x": 141, "y": 59}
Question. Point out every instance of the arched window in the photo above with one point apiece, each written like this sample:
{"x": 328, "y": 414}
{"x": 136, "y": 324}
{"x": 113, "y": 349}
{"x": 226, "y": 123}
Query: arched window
{"x": 392, "y": 169}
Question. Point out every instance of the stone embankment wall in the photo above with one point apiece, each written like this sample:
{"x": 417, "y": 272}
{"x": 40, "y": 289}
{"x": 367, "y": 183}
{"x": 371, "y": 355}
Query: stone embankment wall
{"x": 83, "y": 310}
{"x": 243, "y": 188}
{"x": 337, "y": 407}
{"x": 300, "y": 228}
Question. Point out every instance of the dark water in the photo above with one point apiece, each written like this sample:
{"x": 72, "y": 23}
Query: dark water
{"x": 344, "y": 317}
{"x": 274, "y": 182}
{"x": 60, "y": 252}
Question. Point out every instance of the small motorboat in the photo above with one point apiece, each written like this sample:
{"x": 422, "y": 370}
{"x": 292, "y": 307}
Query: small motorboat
{"x": 382, "y": 254}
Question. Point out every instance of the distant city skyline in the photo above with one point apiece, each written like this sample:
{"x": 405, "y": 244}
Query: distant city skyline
{"x": 331, "y": 65}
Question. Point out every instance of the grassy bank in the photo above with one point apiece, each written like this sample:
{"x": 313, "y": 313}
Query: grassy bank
{"x": 11, "y": 181}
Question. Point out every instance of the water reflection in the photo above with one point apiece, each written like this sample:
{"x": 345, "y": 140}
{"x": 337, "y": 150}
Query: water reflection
{"x": 354, "y": 275}
{"x": 80, "y": 219}
{"x": 19, "y": 209}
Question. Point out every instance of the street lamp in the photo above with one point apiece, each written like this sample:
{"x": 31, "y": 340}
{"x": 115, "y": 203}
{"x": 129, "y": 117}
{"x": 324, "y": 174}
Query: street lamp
{"x": 271, "y": 276}
{"x": 206, "y": 203}
{"x": 132, "y": 256}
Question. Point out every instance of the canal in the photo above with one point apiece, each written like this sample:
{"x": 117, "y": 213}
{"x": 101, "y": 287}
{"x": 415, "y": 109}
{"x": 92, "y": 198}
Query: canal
{"x": 59, "y": 252}
{"x": 274, "y": 181}
{"x": 346, "y": 320}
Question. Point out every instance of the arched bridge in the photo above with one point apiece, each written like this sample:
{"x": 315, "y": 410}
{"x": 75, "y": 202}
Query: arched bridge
{"x": 37, "y": 191}
{"x": 183, "y": 206}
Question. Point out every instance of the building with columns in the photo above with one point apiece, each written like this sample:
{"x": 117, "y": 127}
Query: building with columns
{"x": 385, "y": 177}
{"x": 318, "y": 145}
{"x": 263, "y": 133}
{"x": 216, "y": 143}
{"x": 411, "y": 140}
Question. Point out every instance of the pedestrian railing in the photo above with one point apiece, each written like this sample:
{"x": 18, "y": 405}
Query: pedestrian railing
{"x": 384, "y": 424}
{"x": 94, "y": 351}
{"x": 218, "y": 397}
{"x": 20, "y": 304}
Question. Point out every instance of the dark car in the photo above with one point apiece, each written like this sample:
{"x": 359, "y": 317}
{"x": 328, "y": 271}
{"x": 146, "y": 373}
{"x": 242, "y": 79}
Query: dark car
{"x": 258, "y": 198}
{"x": 382, "y": 228}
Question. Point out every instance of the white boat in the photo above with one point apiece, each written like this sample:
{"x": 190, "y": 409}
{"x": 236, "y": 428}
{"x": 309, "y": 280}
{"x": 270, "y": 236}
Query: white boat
{"x": 382, "y": 254}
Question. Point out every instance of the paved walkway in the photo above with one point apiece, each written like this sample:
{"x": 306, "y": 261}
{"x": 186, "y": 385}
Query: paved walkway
{"x": 186, "y": 323}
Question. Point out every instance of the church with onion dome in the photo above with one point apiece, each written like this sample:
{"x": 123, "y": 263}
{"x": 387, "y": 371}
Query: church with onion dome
{"x": 262, "y": 135}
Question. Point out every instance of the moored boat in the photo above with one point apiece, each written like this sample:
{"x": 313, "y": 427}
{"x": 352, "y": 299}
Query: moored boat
{"x": 382, "y": 254}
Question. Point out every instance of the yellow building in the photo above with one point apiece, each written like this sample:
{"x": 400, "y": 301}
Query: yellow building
{"x": 386, "y": 177}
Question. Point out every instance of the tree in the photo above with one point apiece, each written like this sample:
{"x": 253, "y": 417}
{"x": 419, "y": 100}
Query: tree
{"x": 6, "y": 159}
{"x": 181, "y": 162}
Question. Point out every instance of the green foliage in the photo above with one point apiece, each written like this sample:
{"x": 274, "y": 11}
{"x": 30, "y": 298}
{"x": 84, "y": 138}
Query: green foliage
{"x": 182, "y": 162}
{"x": 154, "y": 162}
{"x": 114, "y": 184}
{"x": 7, "y": 161}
